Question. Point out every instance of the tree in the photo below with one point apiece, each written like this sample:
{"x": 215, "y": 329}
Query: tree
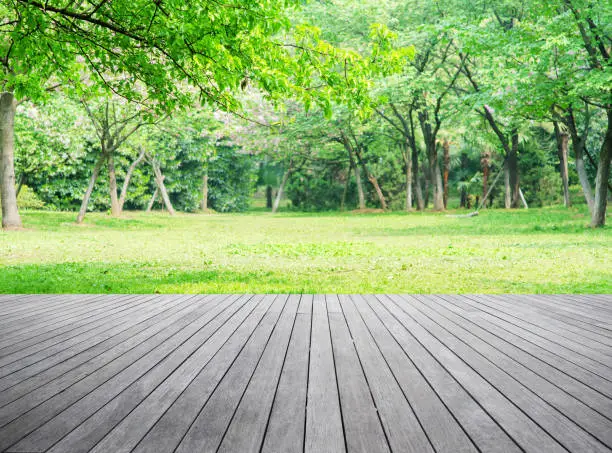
{"x": 152, "y": 53}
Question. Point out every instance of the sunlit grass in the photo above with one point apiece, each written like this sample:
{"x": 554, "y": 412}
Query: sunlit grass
{"x": 539, "y": 250}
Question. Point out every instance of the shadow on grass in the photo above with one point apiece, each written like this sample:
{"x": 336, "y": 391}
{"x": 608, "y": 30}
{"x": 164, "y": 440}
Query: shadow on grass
{"x": 103, "y": 278}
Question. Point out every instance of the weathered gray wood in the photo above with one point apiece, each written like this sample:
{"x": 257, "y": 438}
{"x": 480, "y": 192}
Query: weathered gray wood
{"x": 182, "y": 397}
{"x": 324, "y": 430}
{"x": 557, "y": 425}
{"x": 403, "y": 429}
{"x": 443, "y": 430}
{"x": 530, "y": 436}
{"x": 248, "y": 426}
{"x": 45, "y": 347}
{"x": 58, "y": 353}
{"x": 488, "y": 373}
{"x": 362, "y": 426}
{"x": 209, "y": 427}
{"x": 572, "y": 408}
{"x": 145, "y": 399}
{"x": 48, "y": 324}
{"x": 564, "y": 381}
{"x": 37, "y": 389}
{"x": 584, "y": 357}
{"x": 474, "y": 419}
{"x": 91, "y": 393}
{"x": 285, "y": 432}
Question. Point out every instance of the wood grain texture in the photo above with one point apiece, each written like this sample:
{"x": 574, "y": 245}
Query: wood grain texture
{"x": 305, "y": 373}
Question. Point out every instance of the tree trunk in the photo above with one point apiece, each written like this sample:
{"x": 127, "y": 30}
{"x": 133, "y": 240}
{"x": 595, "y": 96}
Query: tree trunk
{"x": 204, "y": 203}
{"x": 281, "y": 188}
{"x": 562, "y": 143}
{"x": 436, "y": 177}
{"x": 22, "y": 180}
{"x": 408, "y": 162}
{"x": 346, "y": 187}
{"x": 90, "y": 188}
{"x": 598, "y": 218}
{"x": 8, "y": 193}
{"x": 126, "y": 181}
{"x": 514, "y": 172}
{"x": 507, "y": 190}
{"x": 269, "y": 197}
{"x": 427, "y": 178}
{"x": 418, "y": 189}
{"x": 446, "y": 147}
{"x": 372, "y": 179}
{"x": 112, "y": 185}
{"x": 159, "y": 180}
{"x": 152, "y": 200}
{"x": 485, "y": 163}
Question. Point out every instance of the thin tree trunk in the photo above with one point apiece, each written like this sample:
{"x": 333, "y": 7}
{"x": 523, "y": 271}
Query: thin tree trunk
{"x": 90, "y": 188}
{"x": 269, "y": 197}
{"x": 126, "y": 181}
{"x": 485, "y": 162}
{"x": 507, "y": 190}
{"x": 418, "y": 189}
{"x": 360, "y": 191}
{"x": 159, "y": 180}
{"x": 562, "y": 144}
{"x": 598, "y": 219}
{"x": 436, "y": 178}
{"x": 373, "y": 181}
{"x": 346, "y": 186}
{"x": 281, "y": 188}
{"x": 427, "y": 177}
{"x": 446, "y": 147}
{"x": 8, "y": 193}
{"x": 152, "y": 200}
{"x": 112, "y": 185}
{"x": 514, "y": 172}
{"x": 22, "y": 179}
{"x": 408, "y": 183}
{"x": 204, "y": 203}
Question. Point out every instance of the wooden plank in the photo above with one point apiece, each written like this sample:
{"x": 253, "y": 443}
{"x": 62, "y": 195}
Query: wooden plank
{"x": 482, "y": 428}
{"x": 553, "y": 422}
{"x": 45, "y": 347}
{"x": 501, "y": 366}
{"x": 573, "y": 386}
{"x": 29, "y": 330}
{"x": 530, "y": 436}
{"x": 248, "y": 426}
{"x": 51, "y": 315}
{"x": 522, "y": 308}
{"x": 362, "y": 425}
{"x": 91, "y": 393}
{"x": 286, "y": 427}
{"x": 39, "y": 388}
{"x": 306, "y": 304}
{"x": 34, "y": 304}
{"x": 587, "y": 377}
{"x": 402, "y": 427}
{"x": 582, "y": 358}
{"x": 41, "y": 360}
{"x": 208, "y": 429}
{"x": 442, "y": 428}
{"x": 324, "y": 430}
{"x": 547, "y": 325}
{"x": 150, "y": 402}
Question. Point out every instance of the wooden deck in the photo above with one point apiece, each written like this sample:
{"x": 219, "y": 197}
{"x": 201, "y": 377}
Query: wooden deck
{"x": 282, "y": 374}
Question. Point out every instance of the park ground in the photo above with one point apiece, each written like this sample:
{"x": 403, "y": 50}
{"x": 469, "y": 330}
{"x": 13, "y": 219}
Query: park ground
{"x": 547, "y": 250}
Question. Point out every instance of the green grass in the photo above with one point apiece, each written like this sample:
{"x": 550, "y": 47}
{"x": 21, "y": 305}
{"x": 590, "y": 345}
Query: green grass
{"x": 535, "y": 251}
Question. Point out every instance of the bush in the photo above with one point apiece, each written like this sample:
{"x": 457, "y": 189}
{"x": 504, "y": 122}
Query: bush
{"x": 27, "y": 199}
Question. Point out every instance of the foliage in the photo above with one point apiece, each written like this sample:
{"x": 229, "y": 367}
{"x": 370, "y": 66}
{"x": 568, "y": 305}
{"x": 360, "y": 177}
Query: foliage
{"x": 231, "y": 179}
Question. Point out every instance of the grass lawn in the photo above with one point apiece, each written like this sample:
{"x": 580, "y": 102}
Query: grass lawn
{"x": 535, "y": 251}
